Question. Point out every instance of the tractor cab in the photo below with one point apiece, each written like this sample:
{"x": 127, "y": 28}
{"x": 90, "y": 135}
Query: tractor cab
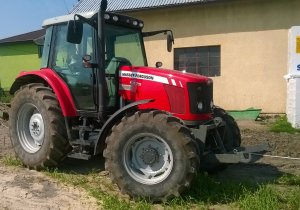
{"x": 72, "y": 49}
{"x": 75, "y": 57}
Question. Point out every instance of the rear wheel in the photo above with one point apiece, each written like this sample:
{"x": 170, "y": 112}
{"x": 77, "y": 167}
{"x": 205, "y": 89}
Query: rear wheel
{"x": 37, "y": 127}
{"x": 151, "y": 155}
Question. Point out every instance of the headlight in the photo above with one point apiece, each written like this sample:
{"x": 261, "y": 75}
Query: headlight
{"x": 135, "y": 23}
{"x": 200, "y": 106}
{"x": 106, "y": 16}
{"x": 115, "y": 18}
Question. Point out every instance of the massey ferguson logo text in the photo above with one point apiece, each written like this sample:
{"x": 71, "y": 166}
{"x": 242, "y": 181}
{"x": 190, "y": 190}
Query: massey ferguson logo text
{"x": 138, "y": 76}
{"x": 142, "y": 76}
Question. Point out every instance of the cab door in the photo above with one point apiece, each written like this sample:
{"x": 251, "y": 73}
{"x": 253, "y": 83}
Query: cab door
{"x": 68, "y": 63}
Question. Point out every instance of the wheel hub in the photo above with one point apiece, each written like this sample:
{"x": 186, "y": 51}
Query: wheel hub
{"x": 150, "y": 155}
{"x": 36, "y": 128}
{"x": 147, "y": 158}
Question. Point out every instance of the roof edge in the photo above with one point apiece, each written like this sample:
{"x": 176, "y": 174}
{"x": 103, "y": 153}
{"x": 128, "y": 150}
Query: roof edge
{"x": 25, "y": 37}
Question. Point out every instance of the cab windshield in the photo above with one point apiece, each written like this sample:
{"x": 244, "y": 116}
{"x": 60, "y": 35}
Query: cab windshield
{"x": 125, "y": 43}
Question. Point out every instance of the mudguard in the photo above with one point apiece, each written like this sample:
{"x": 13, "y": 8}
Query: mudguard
{"x": 50, "y": 78}
{"x": 112, "y": 120}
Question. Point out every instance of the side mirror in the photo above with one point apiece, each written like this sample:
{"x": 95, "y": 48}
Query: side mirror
{"x": 170, "y": 42}
{"x": 74, "y": 32}
{"x": 87, "y": 58}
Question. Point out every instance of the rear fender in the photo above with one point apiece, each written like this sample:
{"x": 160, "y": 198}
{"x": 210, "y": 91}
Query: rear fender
{"x": 51, "y": 79}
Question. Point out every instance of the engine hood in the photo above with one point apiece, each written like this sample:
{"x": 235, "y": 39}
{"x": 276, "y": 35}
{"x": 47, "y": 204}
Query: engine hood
{"x": 174, "y": 77}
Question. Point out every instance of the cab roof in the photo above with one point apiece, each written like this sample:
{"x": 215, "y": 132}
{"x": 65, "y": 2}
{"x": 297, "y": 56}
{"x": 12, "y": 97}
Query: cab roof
{"x": 66, "y": 18}
{"x": 109, "y": 17}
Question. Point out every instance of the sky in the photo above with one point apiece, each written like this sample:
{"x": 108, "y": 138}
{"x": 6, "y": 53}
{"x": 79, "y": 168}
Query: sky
{"x": 22, "y": 16}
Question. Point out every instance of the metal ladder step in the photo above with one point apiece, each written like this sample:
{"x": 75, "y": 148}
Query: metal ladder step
{"x": 81, "y": 156}
{"x": 81, "y": 142}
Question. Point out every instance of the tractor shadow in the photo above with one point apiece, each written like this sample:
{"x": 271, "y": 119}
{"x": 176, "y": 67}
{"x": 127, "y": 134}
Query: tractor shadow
{"x": 78, "y": 166}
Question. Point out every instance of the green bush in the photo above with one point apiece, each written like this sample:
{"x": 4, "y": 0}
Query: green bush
{"x": 5, "y": 97}
{"x": 1, "y": 91}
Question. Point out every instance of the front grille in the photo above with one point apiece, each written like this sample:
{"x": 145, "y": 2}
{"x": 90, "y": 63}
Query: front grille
{"x": 200, "y": 92}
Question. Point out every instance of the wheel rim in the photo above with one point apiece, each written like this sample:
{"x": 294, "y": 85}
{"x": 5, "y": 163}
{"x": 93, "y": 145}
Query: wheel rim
{"x": 30, "y": 128}
{"x": 147, "y": 158}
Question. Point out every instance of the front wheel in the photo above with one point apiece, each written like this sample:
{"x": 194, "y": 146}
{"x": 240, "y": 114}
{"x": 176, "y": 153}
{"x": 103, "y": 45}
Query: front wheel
{"x": 151, "y": 155}
{"x": 231, "y": 137}
{"x": 232, "y": 134}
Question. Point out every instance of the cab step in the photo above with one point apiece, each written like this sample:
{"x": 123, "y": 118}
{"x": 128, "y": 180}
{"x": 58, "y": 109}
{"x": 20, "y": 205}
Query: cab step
{"x": 81, "y": 142}
{"x": 80, "y": 156}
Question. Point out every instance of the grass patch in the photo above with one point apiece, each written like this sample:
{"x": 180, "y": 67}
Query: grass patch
{"x": 10, "y": 160}
{"x": 264, "y": 198}
{"x": 282, "y": 125}
{"x": 68, "y": 178}
{"x": 293, "y": 199}
{"x": 1, "y": 90}
{"x": 5, "y": 97}
{"x": 209, "y": 191}
{"x": 289, "y": 179}
{"x": 283, "y": 193}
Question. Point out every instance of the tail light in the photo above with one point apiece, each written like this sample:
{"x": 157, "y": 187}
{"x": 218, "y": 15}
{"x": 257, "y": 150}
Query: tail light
{"x": 176, "y": 98}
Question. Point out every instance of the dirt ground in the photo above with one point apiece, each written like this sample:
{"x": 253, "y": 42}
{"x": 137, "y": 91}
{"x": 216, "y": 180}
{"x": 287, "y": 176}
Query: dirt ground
{"x": 21, "y": 188}
{"x": 266, "y": 168}
{"x": 26, "y": 189}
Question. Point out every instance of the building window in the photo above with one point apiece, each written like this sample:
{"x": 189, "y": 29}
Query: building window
{"x": 199, "y": 60}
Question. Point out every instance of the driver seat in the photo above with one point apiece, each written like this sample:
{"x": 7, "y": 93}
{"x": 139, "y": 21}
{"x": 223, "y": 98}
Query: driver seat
{"x": 112, "y": 81}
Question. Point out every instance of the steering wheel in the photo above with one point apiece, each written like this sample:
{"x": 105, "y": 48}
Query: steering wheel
{"x": 117, "y": 61}
{"x": 75, "y": 65}
{"x": 113, "y": 65}
{"x": 75, "y": 68}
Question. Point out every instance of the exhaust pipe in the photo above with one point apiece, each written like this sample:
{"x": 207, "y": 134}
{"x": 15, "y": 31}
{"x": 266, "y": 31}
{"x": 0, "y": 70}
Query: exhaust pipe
{"x": 101, "y": 57}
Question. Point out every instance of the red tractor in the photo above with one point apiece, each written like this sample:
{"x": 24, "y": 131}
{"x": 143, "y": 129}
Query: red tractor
{"x": 95, "y": 93}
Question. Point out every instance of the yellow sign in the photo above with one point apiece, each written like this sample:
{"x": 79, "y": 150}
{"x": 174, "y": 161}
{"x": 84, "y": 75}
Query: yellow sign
{"x": 298, "y": 44}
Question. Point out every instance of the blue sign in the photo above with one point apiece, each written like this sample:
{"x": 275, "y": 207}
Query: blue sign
{"x": 298, "y": 67}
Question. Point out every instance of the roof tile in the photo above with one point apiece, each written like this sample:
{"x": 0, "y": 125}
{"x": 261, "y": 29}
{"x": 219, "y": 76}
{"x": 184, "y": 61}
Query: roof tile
{"x": 129, "y": 5}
